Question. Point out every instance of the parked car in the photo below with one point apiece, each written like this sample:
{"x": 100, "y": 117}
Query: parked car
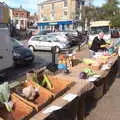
{"x": 43, "y": 32}
{"x": 115, "y": 34}
{"x": 21, "y": 54}
{"x": 73, "y": 39}
{"x": 73, "y": 33}
{"x": 46, "y": 42}
{"x": 62, "y": 36}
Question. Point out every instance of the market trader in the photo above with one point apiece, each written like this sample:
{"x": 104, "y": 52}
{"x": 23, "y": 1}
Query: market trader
{"x": 98, "y": 43}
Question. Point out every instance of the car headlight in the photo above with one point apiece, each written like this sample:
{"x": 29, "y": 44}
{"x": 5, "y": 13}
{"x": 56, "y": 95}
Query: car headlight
{"x": 16, "y": 54}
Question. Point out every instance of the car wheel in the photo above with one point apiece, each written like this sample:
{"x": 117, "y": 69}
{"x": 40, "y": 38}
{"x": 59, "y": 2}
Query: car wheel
{"x": 31, "y": 48}
{"x": 57, "y": 49}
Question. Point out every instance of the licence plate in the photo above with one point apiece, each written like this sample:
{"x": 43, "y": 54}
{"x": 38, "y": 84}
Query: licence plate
{"x": 29, "y": 58}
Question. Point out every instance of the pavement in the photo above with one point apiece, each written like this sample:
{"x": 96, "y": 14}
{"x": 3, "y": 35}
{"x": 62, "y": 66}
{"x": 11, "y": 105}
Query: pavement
{"x": 108, "y": 108}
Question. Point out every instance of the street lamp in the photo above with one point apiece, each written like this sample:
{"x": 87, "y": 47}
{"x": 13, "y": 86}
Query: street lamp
{"x": 81, "y": 2}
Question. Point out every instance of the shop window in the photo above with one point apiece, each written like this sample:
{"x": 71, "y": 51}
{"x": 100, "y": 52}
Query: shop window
{"x": 22, "y": 14}
{"x": 22, "y": 22}
{"x": 65, "y": 3}
{"x": 52, "y": 6}
{"x": 16, "y": 14}
{"x": 16, "y": 22}
{"x": 52, "y": 13}
{"x": 65, "y": 13}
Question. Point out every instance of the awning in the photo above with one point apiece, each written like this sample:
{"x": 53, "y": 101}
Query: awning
{"x": 55, "y": 23}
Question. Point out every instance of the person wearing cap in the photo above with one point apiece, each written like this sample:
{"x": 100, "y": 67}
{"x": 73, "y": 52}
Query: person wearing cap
{"x": 98, "y": 43}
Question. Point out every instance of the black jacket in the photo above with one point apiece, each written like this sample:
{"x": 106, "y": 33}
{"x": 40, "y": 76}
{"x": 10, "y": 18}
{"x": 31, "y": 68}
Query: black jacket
{"x": 96, "y": 44}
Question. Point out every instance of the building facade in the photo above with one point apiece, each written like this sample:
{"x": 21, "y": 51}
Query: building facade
{"x": 4, "y": 13}
{"x": 19, "y": 17}
{"x": 33, "y": 19}
{"x": 59, "y": 14}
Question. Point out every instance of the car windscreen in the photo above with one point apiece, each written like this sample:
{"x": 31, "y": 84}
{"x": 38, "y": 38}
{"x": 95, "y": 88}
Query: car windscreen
{"x": 16, "y": 43}
{"x": 97, "y": 30}
{"x": 51, "y": 38}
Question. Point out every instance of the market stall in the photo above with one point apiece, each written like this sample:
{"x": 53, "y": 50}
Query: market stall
{"x": 68, "y": 106}
{"x": 66, "y": 96}
{"x": 102, "y": 70}
{"x": 61, "y": 96}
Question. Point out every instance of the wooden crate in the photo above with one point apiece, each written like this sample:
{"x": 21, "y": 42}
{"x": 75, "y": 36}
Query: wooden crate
{"x": 20, "y": 110}
{"x": 44, "y": 98}
{"x": 60, "y": 86}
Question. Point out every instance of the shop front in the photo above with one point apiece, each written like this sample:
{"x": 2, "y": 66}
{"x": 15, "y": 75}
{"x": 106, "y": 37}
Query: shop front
{"x": 58, "y": 25}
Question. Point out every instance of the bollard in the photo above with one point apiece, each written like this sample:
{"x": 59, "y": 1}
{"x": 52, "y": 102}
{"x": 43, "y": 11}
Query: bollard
{"x": 53, "y": 66}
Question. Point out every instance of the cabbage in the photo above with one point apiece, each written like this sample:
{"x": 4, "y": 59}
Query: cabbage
{"x": 83, "y": 75}
{"x": 5, "y": 95}
{"x": 4, "y": 92}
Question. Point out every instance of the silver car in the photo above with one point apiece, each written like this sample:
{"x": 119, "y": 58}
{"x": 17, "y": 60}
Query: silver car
{"x": 46, "y": 42}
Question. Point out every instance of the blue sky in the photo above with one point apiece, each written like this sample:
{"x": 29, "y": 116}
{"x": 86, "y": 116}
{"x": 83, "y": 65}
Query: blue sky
{"x": 31, "y": 5}
{"x": 98, "y": 2}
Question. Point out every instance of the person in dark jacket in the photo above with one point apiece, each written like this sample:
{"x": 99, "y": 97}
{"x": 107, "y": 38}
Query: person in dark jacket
{"x": 98, "y": 43}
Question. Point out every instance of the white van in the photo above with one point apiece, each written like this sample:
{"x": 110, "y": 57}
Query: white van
{"x": 99, "y": 26}
{"x": 6, "y": 57}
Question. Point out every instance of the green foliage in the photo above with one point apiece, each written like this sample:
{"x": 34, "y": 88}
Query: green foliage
{"x": 116, "y": 21}
{"x": 109, "y": 11}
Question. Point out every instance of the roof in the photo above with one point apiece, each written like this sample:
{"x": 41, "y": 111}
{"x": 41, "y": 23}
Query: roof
{"x": 20, "y": 9}
{"x": 99, "y": 23}
{"x": 3, "y": 4}
{"x": 50, "y": 1}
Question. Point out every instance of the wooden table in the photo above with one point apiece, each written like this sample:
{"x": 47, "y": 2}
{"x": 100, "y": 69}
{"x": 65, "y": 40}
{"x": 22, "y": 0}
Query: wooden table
{"x": 76, "y": 108}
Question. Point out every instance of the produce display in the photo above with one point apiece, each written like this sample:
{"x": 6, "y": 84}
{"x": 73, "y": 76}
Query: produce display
{"x": 89, "y": 72}
{"x": 54, "y": 85}
{"x": 11, "y": 108}
{"x": 88, "y": 61}
{"x": 33, "y": 94}
{"x": 46, "y": 82}
{"x": 83, "y": 75}
{"x": 5, "y": 96}
{"x": 40, "y": 78}
{"x": 66, "y": 62}
{"x": 30, "y": 93}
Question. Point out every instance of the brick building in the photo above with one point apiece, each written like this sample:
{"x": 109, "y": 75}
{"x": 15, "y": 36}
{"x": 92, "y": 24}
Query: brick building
{"x": 60, "y": 14}
{"x": 20, "y": 17}
{"x": 33, "y": 19}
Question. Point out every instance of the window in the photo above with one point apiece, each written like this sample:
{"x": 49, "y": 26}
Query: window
{"x": 16, "y": 22}
{"x": 36, "y": 39}
{"x": 65, "y": 13}
{"x": 16, "y": 14}
{"x": 16, "y": 43}
{"x": 52, "y": 13}
{"x": 42, "y": 6}
{"x": 52, "y": 6}
{"x": 22, "y": 14}
{"x": 51, "y": 38}
{"x": 22, "y": 22}
{"x": 65, "y": 3}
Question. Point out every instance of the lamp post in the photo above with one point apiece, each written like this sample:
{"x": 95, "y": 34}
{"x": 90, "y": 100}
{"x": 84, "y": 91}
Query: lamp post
{"x": 82, "y": 2}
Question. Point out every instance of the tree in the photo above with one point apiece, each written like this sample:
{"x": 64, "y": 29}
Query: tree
{"x": 116, "y": 21}
{"x": 109, "y": 11}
